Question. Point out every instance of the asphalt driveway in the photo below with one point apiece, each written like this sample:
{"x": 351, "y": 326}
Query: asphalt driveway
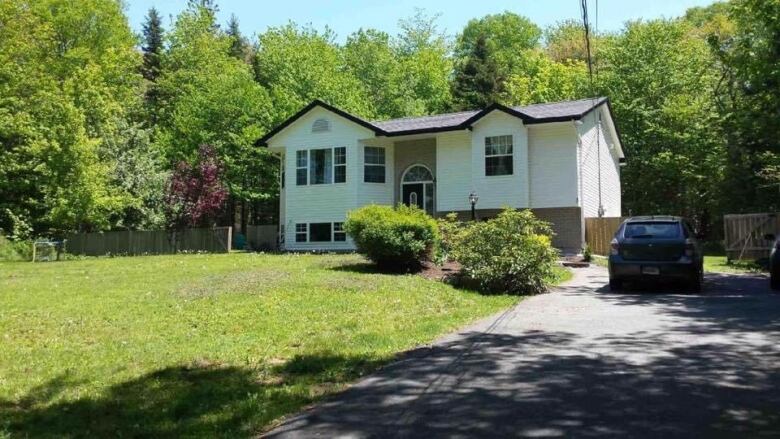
{"x": 582, "y": 362}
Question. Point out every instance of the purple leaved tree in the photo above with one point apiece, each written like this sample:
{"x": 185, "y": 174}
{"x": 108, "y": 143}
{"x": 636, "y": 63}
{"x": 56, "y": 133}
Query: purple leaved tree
{"x": 195, "y": 193}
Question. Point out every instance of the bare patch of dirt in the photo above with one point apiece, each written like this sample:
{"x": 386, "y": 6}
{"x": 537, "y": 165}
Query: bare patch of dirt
{"x": 445, "y": 272}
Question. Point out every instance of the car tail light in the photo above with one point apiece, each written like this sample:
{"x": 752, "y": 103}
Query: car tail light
{"x": 615, "y": 246}
{"x": 689, "y": 248}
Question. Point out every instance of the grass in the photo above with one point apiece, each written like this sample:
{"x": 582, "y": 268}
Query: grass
{"x": 719, "y": 264}
{"x": 560, "y": 275}
{"x": 203, "y": 345}
{"x": 712, "y": 264}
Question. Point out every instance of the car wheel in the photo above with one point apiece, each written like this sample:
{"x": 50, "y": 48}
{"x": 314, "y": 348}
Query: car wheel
{"x": 774, "y": 280}
{"x": 615, "y": 284}
{"x": 696, "y": 283}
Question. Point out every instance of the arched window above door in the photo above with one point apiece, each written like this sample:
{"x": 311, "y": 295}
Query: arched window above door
{"x": 417, "y": 173}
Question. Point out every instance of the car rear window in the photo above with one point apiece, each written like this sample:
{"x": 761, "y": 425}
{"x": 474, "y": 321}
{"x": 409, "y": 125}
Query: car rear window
{"x": 652, "y": 230}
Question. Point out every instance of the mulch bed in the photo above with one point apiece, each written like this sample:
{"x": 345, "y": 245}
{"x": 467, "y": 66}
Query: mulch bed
{"x": 446, "y": 272}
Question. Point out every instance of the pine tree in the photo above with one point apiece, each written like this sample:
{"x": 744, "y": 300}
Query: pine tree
{"x": 153, "y": 42}
{"x": 477, "y": 82}
{"x": 239, "y": 47}
{"x": 152, "y": 66}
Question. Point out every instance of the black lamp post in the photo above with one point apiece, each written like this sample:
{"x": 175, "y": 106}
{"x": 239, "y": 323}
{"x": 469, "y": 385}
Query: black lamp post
{"x": 473, "y": 198}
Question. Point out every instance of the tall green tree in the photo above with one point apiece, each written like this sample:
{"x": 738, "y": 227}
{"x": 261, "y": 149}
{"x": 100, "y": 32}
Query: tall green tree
{"x": 424, "y": 53}
{"x": 370, "y": 57}
{"x": 239, "y": 45}
{"x": 477, "y": 82}
{"x": 299, "y": 64}
{"x": 507, "y": 36}
{"x": 71, "y": 80}
{"x": 546, "y": 80}
{"x": 211, "y": 98}
{"x": 152, "y": 48}
{"x": 565, "y": 41}
{"x": 748, "y": 99}
{"x": 659, "y": 75}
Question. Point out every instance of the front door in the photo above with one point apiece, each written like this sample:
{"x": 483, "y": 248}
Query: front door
{"x": 413, "y": 194}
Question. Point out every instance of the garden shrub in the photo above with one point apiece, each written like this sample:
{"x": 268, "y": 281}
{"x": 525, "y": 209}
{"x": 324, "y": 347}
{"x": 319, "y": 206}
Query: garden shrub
{"x": 393, "y": 238}
{"x": 511, "y": 253}
{"x": 449, "y": 227}
{"x": 587, "y": 254}
{"x": 15, "y": 250}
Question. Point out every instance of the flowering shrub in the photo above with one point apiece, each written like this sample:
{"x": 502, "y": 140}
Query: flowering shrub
{"x": 195, "y": 193}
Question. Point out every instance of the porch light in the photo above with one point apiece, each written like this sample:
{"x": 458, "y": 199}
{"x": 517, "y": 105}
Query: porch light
{"x": 473, "y": 198}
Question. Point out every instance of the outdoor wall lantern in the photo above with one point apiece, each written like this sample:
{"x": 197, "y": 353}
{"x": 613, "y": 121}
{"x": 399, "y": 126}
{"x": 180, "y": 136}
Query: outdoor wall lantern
{"x": 473, "y": 198}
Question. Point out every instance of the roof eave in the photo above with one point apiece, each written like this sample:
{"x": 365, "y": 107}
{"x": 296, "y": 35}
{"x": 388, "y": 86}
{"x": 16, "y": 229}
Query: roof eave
{"x": 263, "y": 141}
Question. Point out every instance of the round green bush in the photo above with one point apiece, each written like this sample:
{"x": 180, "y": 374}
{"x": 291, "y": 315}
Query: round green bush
{"x": 393, "y": 238}
{"x": 511, "y": 253}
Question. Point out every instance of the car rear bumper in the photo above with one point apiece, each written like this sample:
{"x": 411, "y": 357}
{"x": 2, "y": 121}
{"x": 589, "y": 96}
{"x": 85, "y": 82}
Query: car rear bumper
{"x": 683, "y": 269}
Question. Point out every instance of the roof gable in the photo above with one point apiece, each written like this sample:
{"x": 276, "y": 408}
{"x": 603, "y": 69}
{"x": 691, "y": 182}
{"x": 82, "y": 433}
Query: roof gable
{"x": 263, "y": 141}
{"x": 529, "y": 114}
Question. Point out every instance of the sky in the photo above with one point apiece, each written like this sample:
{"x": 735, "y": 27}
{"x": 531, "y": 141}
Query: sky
{"x": 347, "y": 16}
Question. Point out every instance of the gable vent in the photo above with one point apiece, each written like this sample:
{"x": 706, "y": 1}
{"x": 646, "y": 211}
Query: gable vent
{"x": 320, "y": 126}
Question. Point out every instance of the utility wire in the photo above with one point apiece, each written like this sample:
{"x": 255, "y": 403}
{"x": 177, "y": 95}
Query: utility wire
{"x": 591, "y": 69}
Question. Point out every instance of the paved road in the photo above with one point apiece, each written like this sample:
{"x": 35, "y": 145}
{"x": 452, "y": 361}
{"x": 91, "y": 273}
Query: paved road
{"x": 583, "y": 362}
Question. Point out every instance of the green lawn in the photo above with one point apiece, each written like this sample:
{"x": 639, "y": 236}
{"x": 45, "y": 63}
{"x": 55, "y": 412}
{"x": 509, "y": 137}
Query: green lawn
{"x": 203, "y": 345}
{"x": 712, "y": 264}
{"x": 718, "y": 264}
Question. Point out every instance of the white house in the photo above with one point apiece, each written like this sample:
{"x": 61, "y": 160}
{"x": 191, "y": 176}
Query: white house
{"x": 561, "y": 160}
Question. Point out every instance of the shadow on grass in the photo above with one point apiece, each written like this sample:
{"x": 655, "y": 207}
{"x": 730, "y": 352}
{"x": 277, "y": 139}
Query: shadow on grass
{"x": 360, "y": 267}
{"x": 183, "y": 401}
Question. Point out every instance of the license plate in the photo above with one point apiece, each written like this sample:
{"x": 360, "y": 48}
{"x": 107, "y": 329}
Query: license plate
{"x": 651, "y": 270}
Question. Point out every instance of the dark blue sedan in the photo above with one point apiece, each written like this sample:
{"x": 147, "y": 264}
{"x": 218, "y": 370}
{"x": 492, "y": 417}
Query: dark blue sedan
{"x": 655, "y": 248}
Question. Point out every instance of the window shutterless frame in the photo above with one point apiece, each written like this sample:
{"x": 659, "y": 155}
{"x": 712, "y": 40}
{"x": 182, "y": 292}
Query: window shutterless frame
{"x": 301, "y": 232}
{"x": 302, "y": 167}
{"x": 319, "y": 232}
{"x": 373, "y": 164}
{"x": 319, "y": 166}
{"x": 498, "y": 156}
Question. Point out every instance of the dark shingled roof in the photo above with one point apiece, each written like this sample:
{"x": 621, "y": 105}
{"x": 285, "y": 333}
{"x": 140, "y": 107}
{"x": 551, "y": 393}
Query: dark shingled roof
{"x": 530, "y": 114}
{"x": 536, "y": 113}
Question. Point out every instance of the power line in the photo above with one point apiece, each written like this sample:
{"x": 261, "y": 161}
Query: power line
{"x": 591, "y": 69}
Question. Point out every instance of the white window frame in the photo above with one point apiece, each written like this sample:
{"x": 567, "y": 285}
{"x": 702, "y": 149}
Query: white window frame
{"x": 338, "y": 232}
{"x": 302, "y": 229}
{"x": 309, "y": 163}
{"x": 342, "y": 165}
{"x": 298, "y": 167}
{"x": 378, "y": 165}
{"x": 510, "y": 155}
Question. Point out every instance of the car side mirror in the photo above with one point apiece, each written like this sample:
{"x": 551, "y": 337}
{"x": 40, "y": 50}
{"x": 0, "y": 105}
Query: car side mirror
{"x": 769, "y": 236}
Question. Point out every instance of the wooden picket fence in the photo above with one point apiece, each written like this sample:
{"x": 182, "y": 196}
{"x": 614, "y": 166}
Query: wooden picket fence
{"x": 744, "y": 235}
{"x": 599, "y": 233}
{"x": 151, "y": 242}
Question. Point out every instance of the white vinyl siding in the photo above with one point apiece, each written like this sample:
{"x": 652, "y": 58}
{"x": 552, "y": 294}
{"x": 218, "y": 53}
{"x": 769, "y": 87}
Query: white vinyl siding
{"x": 589, "y": 168}
{"x": 453, "y": 177}
{"x": 322, "y": 203}
{"x": 498, "y": 191}
{"x": 553, "y": 165}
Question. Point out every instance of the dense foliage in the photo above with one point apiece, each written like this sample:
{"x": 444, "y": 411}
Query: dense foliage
{"x": 393, "y": 238}
{"x": 94, "y": 118}
{"x": 511, "y": 253}
{"x": 195, "y": 193}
